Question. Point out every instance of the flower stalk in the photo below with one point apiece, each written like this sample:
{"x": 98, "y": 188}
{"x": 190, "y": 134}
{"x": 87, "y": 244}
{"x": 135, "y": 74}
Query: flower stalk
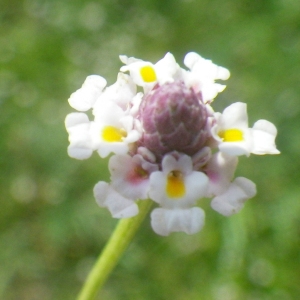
{"x": 115, "y": 247}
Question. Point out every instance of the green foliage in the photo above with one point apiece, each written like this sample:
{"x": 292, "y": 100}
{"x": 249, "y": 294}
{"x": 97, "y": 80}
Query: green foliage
{"x": 51, "y": 230}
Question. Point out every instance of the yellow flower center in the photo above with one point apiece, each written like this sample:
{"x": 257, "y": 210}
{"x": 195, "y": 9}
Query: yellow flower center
{"x": 113, "y": 134}
{"x": 148, "y": 74}
{"x": 231, "y": 135}
{"x": 175, "y": 187}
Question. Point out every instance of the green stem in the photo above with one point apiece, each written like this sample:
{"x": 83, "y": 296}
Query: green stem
{"x": 116, "y": 245}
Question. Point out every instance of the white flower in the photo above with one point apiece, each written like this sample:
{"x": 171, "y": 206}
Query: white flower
{"x": 232, "y": 200}
{"x": 78, "y": 127}
{"x": 236, "y": 138}
{"x": 177, "y": 185}
{"x": 177, "y": 188}
{"x": 146, "y": 74}
{"x": 203, "y": 75}
{"x": 119, "y": 206}
{"x": 231, "y": 130}
{"x": 84, "y": 98}
{"x": 130, "y": 175}
{"x": 121, "y": 93}
{"x": 113, "y": 130}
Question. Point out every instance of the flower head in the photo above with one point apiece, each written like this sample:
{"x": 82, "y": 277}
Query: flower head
{"x": 167, "y": 143}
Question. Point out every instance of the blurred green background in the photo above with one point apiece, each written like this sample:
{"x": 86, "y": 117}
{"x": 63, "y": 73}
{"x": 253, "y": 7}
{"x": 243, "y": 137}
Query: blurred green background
{"x": 51, "y": 229}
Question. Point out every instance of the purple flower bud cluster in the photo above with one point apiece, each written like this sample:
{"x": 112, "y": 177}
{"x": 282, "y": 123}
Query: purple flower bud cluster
{"x": 174, "y": 118}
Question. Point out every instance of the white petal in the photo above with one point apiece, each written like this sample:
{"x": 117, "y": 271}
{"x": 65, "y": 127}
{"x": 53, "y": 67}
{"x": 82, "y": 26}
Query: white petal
{"x": 166, "y": 69}
{"x": 78, "y": 126}
{"x": 238, "y": 148}
{"x": 84, "y": 98}
{"x": 190, "y": 59}
{"x": 119, "y": 206}
{"x": 210, "y": 91}
{"x": 235, "y": 116}
{"x": 121, "y": 92}
{"x": 223, "y": 73}
{"x": 95, "y": 81}
{"x": 128, "y": 60}
{"x": 165, "y": 221}
{"x": 185, "y": 164}
{"x": 79, "y": 152}
{"x": 232, "y": 201}
{"x": 168, "y": 163}
{"x": 101, "y": 190}
{"x": 264, "y": 134}
{"x": 74, "y": 119}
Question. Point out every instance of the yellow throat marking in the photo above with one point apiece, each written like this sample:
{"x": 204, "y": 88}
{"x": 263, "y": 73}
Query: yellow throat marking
{"x": 113, "y": 134}
{"x": 231, "y": 135}
{"x": 148, "y": 74}
{"x": 175, "y": 187}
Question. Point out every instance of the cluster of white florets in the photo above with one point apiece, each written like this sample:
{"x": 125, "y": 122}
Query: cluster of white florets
{"x": 166, "y": 141}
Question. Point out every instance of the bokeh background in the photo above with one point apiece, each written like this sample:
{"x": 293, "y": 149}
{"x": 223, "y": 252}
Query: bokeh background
{"x": 51, "y": 229}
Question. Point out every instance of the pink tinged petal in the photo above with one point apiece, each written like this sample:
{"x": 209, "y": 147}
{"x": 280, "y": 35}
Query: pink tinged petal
{"x": 201, "y": 158}
{"x": 77, "y": 125}
{"x": 136, "y": 102}
{"x": 165, "y": 221}
{"x": 146, "y": 154}
{"x": 264, "y": 134}
{"x": 232, "y": 201}
{"x": 220, "y": 170}
{"x": 84, "y": 98}
{"x": 130, "y": 175}
{"x": 119, "y": 206}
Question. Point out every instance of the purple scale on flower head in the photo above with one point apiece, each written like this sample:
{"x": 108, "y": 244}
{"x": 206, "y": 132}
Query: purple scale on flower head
{"x": 174, "y": 118}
